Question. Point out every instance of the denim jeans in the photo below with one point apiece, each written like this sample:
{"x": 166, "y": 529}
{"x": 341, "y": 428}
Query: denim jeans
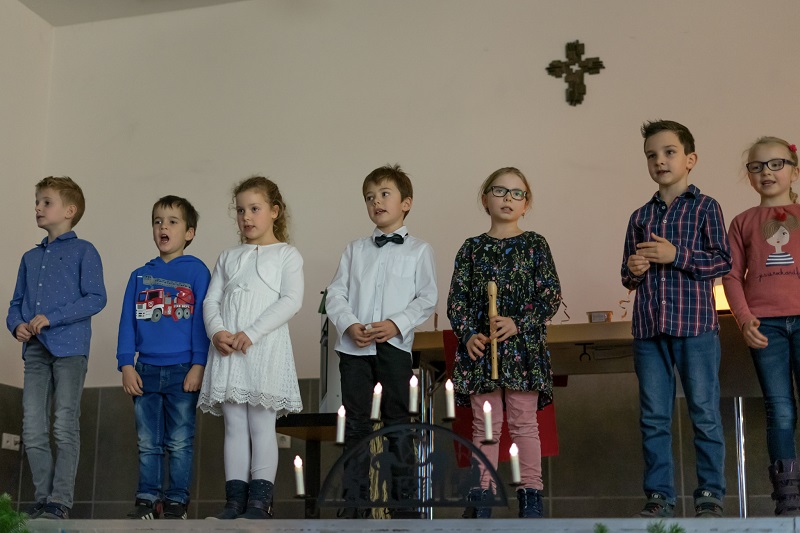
{"x": 697, "y": 361}
{"x": 165, "y": 420}
{"x": 52, "y": 383}
{"x": 775, "y": 366}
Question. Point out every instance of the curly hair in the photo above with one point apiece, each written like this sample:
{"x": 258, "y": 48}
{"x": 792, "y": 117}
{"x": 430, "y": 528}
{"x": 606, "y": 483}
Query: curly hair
{"x": 272, "y": 194}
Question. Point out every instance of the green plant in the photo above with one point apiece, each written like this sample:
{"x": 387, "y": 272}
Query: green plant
{"x": 600, "y": 528}
{"x": 659, "y": 527}
{"x": 10, "y": 520}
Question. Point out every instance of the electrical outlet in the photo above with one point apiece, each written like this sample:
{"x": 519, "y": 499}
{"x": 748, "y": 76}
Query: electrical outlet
{"x": 284, "y": 441}
{"x": 10, "y": 442}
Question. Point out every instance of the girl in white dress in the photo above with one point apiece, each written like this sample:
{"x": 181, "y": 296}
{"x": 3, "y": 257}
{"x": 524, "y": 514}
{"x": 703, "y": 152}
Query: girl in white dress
{"x": 250, "y": 376}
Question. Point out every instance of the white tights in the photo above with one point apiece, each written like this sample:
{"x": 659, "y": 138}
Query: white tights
{"x": 247, "y": 428}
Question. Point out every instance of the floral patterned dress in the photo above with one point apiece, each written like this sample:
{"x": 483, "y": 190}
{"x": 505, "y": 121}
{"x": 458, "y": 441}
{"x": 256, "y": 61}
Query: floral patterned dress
{"x": 528, "y": 292}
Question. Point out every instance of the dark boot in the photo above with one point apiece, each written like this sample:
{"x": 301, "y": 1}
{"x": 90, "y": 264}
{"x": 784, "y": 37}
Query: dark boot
{"x": 478, "y": 495}
{"x": 259, "y": 502}
{"x": 236, "y": 499}
{"x": 530, "y": 503}
{"x": 785, "y": 479}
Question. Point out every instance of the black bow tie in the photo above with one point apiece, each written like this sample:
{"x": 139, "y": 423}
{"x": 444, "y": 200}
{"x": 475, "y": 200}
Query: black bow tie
{"x": 380, "y": 240}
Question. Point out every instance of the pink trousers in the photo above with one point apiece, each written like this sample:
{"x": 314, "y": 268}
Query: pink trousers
{"x": 523, "y": 427}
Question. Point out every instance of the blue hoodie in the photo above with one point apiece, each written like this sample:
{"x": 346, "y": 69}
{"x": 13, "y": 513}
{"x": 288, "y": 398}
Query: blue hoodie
{"x": 162, "y": 314}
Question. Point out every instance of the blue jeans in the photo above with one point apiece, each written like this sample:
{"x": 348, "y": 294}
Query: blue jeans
{"x": 52, "y": 383}
{"x": 165, "y": 420}
{"x": 697, "y": 361}
{"x": 775, "y": 366}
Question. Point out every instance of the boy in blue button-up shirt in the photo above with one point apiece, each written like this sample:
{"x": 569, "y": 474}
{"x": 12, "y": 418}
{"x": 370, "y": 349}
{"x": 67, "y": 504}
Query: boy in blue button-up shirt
{"x": 59, "y": 287}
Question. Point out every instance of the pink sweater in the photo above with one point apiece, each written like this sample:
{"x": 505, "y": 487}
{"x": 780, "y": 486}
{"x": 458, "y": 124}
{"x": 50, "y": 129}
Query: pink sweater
{"x": 765, "y": 278}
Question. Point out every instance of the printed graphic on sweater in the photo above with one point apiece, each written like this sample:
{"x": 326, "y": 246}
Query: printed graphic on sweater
{"x": 776, "y": 231}
{"x": 152, "y": 304}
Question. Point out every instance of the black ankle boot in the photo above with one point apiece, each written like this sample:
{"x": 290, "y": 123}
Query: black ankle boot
{"x": 235, "y": 499}
{"x": 478, "y": 495}
{"x": 530, "y": 503}
{"x": 785, "y": 478}
{"x": 259, "y": 501}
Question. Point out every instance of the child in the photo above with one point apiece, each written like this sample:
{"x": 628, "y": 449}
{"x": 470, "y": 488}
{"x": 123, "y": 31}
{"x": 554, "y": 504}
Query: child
{"x": 528, "y": 295}
{"x": 162, "y": 321}
{"x": 762, "y": 289}
{"x": 385, "y": 287}
{"x": 674, "y": 248}
{"x": 59, "y": 288}
{"x": 250, "y": 378}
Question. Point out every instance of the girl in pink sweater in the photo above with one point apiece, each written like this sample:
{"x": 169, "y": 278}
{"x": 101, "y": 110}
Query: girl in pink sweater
{"x": 763, "y": 288}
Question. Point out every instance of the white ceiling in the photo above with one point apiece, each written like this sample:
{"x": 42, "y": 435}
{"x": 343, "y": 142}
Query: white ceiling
{"x": 65, "y": 12}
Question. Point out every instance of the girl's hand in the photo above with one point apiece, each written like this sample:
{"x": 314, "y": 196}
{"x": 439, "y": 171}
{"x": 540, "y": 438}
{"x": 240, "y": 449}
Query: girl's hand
{"x": 476, "y": 346}
{"x": 241, "y": 342}
{"x": 503, "y": 328}
{"x": 753, "y": 337}
{"x": 638, "y": 265}
{"x": 223, "y": 341}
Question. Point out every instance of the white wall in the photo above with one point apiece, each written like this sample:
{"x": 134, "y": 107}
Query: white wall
{"x": 318, "y": 93}
{"x": 25, "y": 54}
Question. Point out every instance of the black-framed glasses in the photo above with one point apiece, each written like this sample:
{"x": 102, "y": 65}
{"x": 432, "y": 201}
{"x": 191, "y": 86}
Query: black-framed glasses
{"x": 501, "y": 192}
{"x": 754, "y": 167}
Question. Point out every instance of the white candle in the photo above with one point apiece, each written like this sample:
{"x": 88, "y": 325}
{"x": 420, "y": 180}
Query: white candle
{"x": 298, "y": 476}
{"x": 515, "y": 475}
{"x": 487, "y": 420}
{"x": 340, "y": 426}
{"x": 375, "y": 414}
{"x": 413, "y": 395}
{"x": 451, "y": 399}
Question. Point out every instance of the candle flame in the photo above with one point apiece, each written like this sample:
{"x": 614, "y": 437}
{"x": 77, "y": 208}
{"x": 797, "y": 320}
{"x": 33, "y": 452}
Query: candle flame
{"x": 513, "y": 450}
{"x": 448, "y": 385}
{"x": 414, "y": 381}
{"x": 487, "y": 408}
{"x": 298, "y": 463}
{"x": 341, "y": 411}
{"x": 378, "y": 388}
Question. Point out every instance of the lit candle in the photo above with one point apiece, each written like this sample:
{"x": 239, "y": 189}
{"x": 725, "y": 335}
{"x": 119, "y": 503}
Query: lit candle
{"x": 298, "y": 476}
{"x": 413, "y": 395}
{"x": 451, "y": 399}
{"x": 515, "y": 475}
{"x": 375, "y": 414}
{"x": 340, "y": 426}
{"x": 487, "y": 420}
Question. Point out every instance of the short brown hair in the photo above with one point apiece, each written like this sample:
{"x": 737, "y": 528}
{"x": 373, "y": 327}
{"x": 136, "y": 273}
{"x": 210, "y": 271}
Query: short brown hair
{"x": 392, "y": 173}
{"x": 657, "y": 126}
{"x": 190, "y": 215}
{"x": 69, "y": 191}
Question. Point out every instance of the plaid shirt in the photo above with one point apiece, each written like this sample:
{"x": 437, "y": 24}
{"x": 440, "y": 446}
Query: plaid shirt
{"x": 678, "y": 299}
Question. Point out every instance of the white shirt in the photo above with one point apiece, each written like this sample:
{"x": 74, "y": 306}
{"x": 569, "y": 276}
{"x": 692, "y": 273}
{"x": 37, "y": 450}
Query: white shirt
{"x": 396, "y": 282}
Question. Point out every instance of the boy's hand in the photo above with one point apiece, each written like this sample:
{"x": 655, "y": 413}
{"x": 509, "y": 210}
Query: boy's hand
{"x": 659, "y": 250}
{"x": 23, "y": 333}
{"x": 241, "y": 342}
{"x": 638, "y": 265}
{"x": 223, "y": 341}
{"x": 193, "y": 379}
{"x": 359, "y": 334}
{"x": 37, "y": 323}
{"x": 131, "y": 381}
{"x": 476, "y": 346}
{"x": 753, "y": 337}
{"x": 503, "y": 327}
{"x": 383, "y": 331}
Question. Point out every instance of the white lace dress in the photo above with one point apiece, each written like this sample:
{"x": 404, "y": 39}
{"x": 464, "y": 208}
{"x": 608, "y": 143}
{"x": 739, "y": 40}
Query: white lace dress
{"x": 254, "y": 289}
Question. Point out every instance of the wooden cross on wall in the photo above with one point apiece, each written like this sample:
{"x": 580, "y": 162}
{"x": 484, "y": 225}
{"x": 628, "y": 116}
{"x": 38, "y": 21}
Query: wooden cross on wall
{"x": 573, "y": 70}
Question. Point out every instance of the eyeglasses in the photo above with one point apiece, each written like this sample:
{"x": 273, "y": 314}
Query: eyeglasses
{"x": 501, "y": 192}
{"x": 754, "y": 167}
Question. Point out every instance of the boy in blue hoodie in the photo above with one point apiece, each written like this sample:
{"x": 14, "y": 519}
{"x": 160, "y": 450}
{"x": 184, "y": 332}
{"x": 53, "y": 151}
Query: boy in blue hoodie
{"x": 162, "y": 320}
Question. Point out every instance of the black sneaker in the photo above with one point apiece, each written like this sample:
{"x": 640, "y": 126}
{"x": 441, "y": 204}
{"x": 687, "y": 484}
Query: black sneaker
{"x": 35, "y": 510}
{"x": 145, "y": 510}
{"x": 657, "y": 507}
{"x": 706, "y": 505}
{"x": 55, "y": 511}
{"x": 174, "y": 510}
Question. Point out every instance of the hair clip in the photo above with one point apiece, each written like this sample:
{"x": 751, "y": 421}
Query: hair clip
{"x": 792, "y": 148}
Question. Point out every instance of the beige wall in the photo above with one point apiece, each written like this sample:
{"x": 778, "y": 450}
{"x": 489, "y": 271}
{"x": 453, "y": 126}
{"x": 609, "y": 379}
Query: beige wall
{"x": 318, "y": 93}
{"x": 26, "y": 43}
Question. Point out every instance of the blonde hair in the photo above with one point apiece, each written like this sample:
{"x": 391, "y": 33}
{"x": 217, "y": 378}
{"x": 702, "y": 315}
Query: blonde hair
{"x": 792, "y": 157}
{"x": 487, "y": 185}
{"x": 272, "y": 194}
{"x": 69, "y": 191}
